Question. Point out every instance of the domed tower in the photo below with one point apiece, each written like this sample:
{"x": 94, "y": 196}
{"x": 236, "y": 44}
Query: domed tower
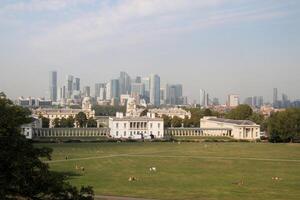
{"x": 86, "y": 103}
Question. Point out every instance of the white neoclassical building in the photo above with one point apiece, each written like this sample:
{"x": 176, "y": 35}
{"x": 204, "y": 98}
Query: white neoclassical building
{"x": 65, "y": 113}
{"x": 146, "y": 127}
{"x": 171, "y": 112}
{"x": 238, "y": 129}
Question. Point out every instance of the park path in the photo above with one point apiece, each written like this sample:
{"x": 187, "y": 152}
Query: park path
{"x": 175, "y": 156}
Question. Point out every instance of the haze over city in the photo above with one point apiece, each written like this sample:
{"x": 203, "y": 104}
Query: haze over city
{"x": 223, "y": 46}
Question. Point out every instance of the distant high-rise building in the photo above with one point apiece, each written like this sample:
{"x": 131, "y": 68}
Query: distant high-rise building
{"x": 173, "y": 94}
{"x": 146, "y": 82}
{"x": 275, "y": 97}
{"x": 138, "y": 89}
{"x": 108, "y": 91}
{"x": 70, "y": 79}
{"x": 115, "y": 89}
{"x": 155, "y": 90}
{"x": 285, "y": 101}
{"x": 203, "y": 98}
{"x": 233, "y": 100}
{"x": 87, "y": 91}
{"x": 62, "y": 92}
{"x": 76, "y": 85}
{"x": 53, "y": 86}
{"x": 100, "y": 90}
{"x": 215, "y": 101}
{"x": 138, "y": 79}
{"x": 124, "y": 83}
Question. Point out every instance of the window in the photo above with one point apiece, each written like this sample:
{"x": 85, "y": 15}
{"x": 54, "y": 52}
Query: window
{"x": 150, "y": 125}
{"x": 130, "y": 133}
{"x": 124, "y": 125}
{"x": 158, "y": 133}
{"x": 158, "y": 125}
{"x": 124, "y": 133}
{"x": 117, "y": 125}
{"x": 117, "y": 133}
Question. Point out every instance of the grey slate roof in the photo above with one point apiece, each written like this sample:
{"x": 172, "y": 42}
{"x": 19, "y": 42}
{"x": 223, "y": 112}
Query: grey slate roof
{"x": 231, "y": 121}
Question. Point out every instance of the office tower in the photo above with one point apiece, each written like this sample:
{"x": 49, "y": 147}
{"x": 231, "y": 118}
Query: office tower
{"x": 173, "y": 94}
{"x": 249, "y": 101}
{"x": 124, "y": 83}
{"x": 97, "y": 90}
{"x": 275, "y": 97}
{"x": 76, "y": 85}
{"x": 216, "y": 102}
{"x": 69, "y": 86}
{"x": 87, "y": 91}
{"x": 146, "y": 82}
{"x": 233, "y": 100}
{"x": 162, "y": 96}
{"x": 53, "y": 86}
{"x": 155, "y": 90}
{"x": 285, "y": 101}
{"x": 115, "y": 89}
{"x": 100, "y": 91}
{"x": 62, "y": 92}
{"x": 108, "y": 91}
{"x": 260, "y": 101}
{"x": 138, "y": 79}
{"x": 138, "y": 89}
{"x": 203, "y": 98}
{"x": 207, "y": 100}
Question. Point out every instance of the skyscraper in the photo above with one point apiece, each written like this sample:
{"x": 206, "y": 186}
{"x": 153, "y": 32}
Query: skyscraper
{"x": 53, "y": 86}
{"x": 203, "y": 98}
{"x": 69, "y": 86}
{"x": 87, "y": 91}
{"x": 76, "y": 84}
{"x": 146, "y": 82}
{"x": 155, "y": 90}
{"x": 275, "y": 97}
{"x": 115, "y": 89}
{"x": 100, "y": 90}
{"x": 124, "y": 83}
{"x": 233, "y": 100}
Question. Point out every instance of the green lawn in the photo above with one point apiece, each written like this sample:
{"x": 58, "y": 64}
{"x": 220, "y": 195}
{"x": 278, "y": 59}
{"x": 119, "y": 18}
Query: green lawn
{"x": 184, "y": 170}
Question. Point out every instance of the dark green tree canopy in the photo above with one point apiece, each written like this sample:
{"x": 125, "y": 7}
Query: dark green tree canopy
{"x": 81, "y": 119}
{"x": 22, "y": 174}
{"x": 241, "y": 112}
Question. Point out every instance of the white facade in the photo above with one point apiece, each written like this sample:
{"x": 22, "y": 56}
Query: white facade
{"x": 239, "y": 129}
{"x": 136, "y": 127}
{"x": 171, "y": 112}
{"x": 27, "y": 129}
{"x": 233, "y": 100}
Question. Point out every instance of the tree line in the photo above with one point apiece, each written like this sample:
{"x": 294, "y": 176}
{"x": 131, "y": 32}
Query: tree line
{"x": 80, "y": 120}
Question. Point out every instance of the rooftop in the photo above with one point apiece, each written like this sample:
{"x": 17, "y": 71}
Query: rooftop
{"x": 232, "y": 121}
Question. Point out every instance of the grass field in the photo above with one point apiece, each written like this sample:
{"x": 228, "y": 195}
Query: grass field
{"x": 185, "y": 170}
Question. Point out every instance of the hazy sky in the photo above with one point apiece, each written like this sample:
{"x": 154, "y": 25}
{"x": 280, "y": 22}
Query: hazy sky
{"x": 223, "y": 46}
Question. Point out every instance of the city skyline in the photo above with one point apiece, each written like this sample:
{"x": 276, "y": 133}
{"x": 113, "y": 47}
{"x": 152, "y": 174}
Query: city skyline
{"x": 256, "y": 44}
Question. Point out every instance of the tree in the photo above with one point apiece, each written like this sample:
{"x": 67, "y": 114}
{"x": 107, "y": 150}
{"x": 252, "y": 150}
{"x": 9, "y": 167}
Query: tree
{"x": 144, "y": 113}
{"x": 284, "y": 126}
{"x": 241, "y": 112}
{"x": 56, "y": 123}
{"x": 63, "y": 123}
{"x": 70, "y": 122}
{"x": 108, "y": 110}
{"x": 45, "y": 122}
{"x": 167, "y": 121}
{"x": 22, "y": 174}
{"x": 176, "y": 121}
{"x": 207, "y": 112}
{"x": 81, "y": 119}
{"x": 91, "y": 122}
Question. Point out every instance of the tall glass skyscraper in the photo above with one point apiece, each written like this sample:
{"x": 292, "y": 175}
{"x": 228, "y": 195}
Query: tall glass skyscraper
{"x": 53, "y": 86}
{"x": 155, "y": 90}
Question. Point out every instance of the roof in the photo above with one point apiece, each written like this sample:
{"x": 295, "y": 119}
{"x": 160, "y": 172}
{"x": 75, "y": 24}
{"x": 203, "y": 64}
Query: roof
{"x": 143, "y": 118}
{"x": 232, "y": 121}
